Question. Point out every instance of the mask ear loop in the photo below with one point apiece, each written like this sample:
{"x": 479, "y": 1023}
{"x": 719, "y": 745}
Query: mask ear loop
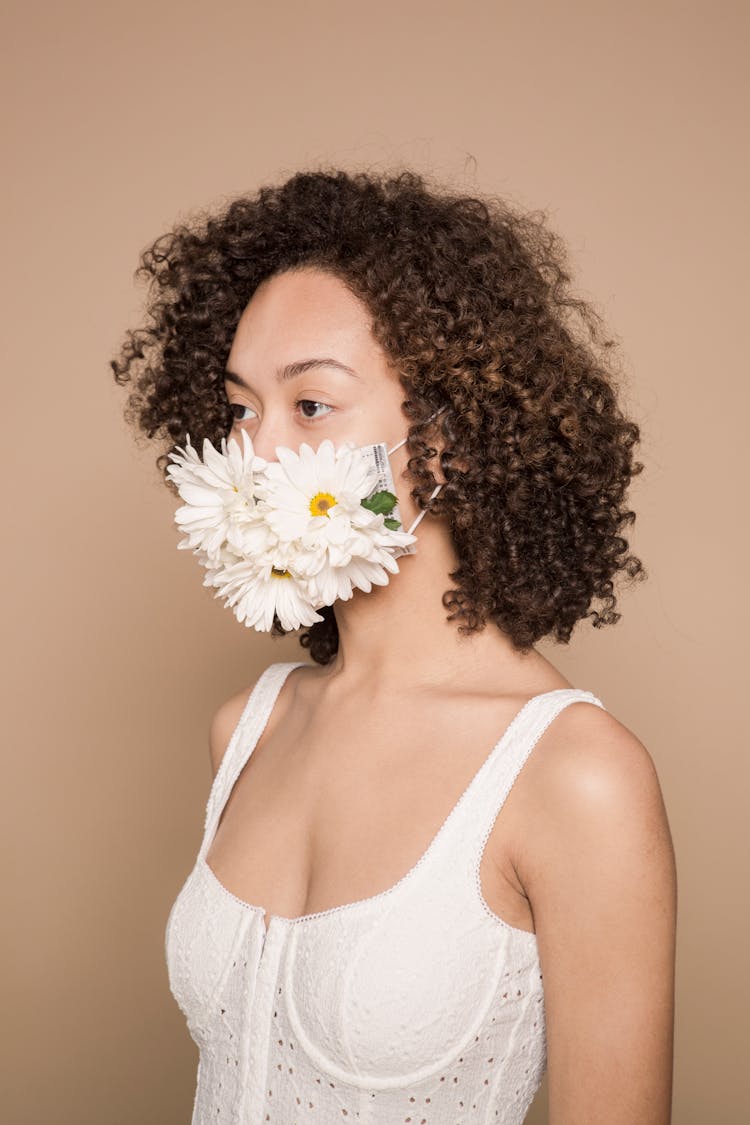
{"x": 395, "y": 447}
{"x": 404, "y": 440}
{"x": 435, "y": 490}
{"x": 424, "y": 511}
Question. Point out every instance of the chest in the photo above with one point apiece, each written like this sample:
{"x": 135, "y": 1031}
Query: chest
{"x": 329, "y": 810}
{"x": 361, "y": 1011}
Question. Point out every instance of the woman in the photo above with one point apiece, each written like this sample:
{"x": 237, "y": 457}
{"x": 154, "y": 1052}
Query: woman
{"x": 431, "y": 865}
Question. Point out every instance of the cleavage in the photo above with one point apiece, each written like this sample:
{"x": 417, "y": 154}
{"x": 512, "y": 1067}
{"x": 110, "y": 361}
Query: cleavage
{"x": 309, "y": 828}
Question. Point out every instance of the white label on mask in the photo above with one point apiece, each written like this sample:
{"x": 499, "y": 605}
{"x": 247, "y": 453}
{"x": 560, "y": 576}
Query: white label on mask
{"x": 377, "y": 460}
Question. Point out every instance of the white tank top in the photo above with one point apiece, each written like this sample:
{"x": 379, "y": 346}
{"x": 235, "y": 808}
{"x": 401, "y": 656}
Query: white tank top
{"x": 417, "y": 1005}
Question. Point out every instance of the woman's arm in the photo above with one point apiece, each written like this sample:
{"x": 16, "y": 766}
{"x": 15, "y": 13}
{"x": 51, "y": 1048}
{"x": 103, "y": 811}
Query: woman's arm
{"x": 599, "y": 870}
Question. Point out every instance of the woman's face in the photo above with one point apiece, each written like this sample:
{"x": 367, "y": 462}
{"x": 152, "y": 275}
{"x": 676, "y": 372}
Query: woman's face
{"x": 304, "y": 366}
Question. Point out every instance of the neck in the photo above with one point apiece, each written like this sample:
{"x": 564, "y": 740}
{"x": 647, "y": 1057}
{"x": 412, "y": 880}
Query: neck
{"x": 397, "y": 636}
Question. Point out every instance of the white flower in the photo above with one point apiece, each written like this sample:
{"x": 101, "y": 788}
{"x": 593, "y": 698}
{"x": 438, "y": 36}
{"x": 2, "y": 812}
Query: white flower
{"x": 302, "y": 488}
{"x": 255, "y": 594}
{"x": 315, "y": 499}
{"x": 284, "y": 538}
{"x": 219, "y": 494}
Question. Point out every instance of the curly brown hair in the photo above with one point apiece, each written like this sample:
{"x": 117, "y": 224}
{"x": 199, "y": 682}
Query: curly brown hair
{"x": 470, "y": 300}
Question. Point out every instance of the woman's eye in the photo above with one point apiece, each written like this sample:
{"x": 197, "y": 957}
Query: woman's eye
{"x": 238, "y": 406}
{"x": 312, "y": 402}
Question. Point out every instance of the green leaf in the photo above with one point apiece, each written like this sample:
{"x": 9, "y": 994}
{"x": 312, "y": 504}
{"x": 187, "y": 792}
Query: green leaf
{"x": 393, "y": 525}
{"x": 380, "y": 502}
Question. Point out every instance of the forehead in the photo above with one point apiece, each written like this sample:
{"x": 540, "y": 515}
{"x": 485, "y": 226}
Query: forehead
{"x": 301, "y": 308}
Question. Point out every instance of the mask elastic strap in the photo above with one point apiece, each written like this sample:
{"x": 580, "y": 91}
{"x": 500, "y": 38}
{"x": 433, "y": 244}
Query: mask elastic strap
{"x": 424, "y": 511}
{"x": 403, "y": 440}
{"x": 437, "y": 488}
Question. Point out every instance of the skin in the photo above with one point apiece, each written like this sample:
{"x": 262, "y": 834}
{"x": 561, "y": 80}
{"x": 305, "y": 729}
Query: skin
{"x": 328, "y": 812}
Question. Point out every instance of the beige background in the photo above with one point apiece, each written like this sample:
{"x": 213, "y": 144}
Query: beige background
{"x": 623, "y": 122}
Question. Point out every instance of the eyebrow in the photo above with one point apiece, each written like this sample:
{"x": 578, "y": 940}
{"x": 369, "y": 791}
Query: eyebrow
{"x": 292, "y": 370}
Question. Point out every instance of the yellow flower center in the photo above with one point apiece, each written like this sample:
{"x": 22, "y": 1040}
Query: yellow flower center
{"x": 321, "y": 502}
{"x": 277, "y": 572}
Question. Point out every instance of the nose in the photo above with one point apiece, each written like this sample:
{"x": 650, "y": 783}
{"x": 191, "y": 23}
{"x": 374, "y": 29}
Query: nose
{"x": 266, "y": 437}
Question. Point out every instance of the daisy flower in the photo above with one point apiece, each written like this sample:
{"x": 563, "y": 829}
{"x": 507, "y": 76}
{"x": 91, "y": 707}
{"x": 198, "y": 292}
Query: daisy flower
{"x": 284, "y": 538}
{"x": 219, "y": 493}
{"x": 322, "y": 501}
{"x": 257, "y": 593}
{"x": 302, "y": 488}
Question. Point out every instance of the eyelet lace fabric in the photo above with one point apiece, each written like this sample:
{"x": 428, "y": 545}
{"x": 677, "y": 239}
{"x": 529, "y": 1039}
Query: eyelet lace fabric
{"x": 417, "y": 1005}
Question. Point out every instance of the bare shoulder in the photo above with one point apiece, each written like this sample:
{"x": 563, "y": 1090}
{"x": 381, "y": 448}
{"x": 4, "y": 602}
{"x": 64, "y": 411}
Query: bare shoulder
{"x": 591, "y": 783}
{"x": 592, "y": 769}
{"x": 224, "y": 722}
{"x": 599, "y": 872}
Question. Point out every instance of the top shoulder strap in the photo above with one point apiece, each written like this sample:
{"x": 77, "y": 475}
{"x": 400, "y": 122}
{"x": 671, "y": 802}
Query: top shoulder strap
{"x": 509, "y": 755}
{"x": 252, "y": 722}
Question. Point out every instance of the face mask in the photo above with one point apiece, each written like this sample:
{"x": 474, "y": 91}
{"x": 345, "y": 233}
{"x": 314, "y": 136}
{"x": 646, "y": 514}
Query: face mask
{"x": 284, "y": 538}
{"x": 377, "y": 457}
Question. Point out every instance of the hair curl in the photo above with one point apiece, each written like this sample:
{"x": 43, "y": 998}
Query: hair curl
{"x": 470, "y": 300}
